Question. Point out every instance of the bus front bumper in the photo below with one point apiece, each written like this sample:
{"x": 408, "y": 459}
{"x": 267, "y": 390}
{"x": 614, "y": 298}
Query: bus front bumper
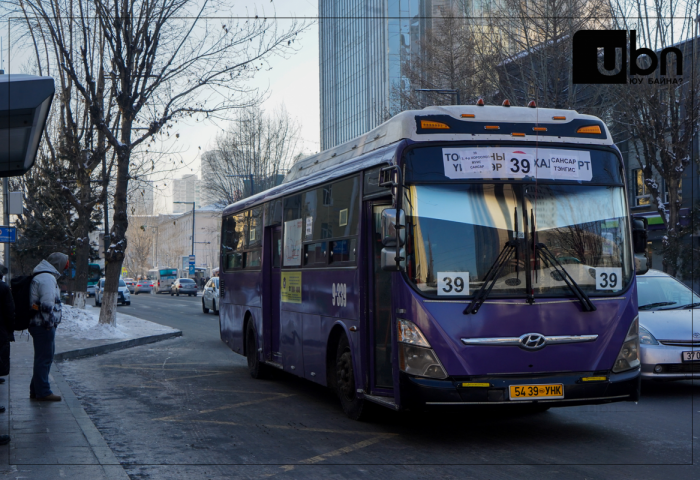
{"x": 419, "y": 392}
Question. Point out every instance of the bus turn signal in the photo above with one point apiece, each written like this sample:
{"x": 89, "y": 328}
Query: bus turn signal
{"x": 431, "y": 124}
{"x": 589, "y": 129}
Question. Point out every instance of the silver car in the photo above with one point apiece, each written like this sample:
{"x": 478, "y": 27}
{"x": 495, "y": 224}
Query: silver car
{"x": 144, "y": 286}
{"x": 185, "y": 286}
{"x": 670, "y": 344}
{"x": 210, "y": 296}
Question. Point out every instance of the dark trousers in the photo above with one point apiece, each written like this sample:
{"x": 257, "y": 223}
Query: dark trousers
{"x": 43, "y": 358}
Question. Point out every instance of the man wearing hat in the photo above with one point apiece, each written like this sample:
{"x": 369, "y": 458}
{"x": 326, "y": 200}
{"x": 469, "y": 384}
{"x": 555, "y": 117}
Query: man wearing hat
{"x": 46, "y": 300}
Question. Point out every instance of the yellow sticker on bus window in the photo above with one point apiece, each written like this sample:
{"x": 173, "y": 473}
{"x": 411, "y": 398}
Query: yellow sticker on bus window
{"x": 291, "y": 287}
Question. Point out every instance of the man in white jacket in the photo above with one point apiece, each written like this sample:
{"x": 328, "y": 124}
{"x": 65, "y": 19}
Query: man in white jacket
{"x": 46, "y": 300}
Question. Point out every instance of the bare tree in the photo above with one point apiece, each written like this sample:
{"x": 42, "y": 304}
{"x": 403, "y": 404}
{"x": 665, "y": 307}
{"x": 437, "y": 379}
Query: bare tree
{"x": 251, "y": 156}
{"x": 140, "y": 249}
{"x": 74, "y": 146}
{"x": 659, "y": 114}
{"x": 526, "y": 49}
{"x": 164, "y": 62}
{"x": 444, "y": 59}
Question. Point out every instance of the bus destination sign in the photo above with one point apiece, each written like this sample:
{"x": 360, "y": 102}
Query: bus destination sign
{"x": 517, "y": 162}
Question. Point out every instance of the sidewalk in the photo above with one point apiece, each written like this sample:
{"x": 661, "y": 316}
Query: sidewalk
{"x": 58, "y": 440}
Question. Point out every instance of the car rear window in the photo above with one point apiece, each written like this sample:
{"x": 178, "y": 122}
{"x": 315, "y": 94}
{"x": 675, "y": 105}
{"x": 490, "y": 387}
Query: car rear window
{"x": 186, "y": 280}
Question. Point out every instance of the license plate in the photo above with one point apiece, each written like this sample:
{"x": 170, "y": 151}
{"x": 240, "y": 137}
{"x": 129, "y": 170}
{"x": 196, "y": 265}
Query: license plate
{"x": 526, "y": 392}
{"x": 691, "y": 356}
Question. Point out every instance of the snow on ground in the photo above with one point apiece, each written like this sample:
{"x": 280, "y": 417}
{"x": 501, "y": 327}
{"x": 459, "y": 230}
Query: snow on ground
{"x": 85, "y": 324}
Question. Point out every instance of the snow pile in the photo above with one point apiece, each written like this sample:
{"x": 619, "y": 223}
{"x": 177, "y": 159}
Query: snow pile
{"x": 85, "y": 324}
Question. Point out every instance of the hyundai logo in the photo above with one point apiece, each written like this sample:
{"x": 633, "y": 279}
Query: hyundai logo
{"x": 532, "y": 341}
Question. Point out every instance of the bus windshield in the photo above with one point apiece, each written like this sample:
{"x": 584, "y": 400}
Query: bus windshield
{"x": 456, "y": 232}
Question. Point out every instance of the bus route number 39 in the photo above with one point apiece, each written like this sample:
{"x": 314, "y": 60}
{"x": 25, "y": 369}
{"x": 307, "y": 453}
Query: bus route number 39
{"x": 453, "y": 283}
{"x": 339, "y": 293}
{"x": 608, "y": 278}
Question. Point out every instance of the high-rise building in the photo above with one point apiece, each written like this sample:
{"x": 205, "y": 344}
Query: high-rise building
{"x": 362, "y": 46}
{"x": 186, "y": 189}
{"x": 141, "y": 199}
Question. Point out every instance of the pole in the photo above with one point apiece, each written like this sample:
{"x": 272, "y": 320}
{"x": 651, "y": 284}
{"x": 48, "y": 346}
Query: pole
{"x": 192, "y": 228}
{"x": 6, "y": 221}
{"x": 105, "y": 183}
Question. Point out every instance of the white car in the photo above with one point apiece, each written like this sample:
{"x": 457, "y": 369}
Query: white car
{"x": 210, "y": 297}
{"x": 669, "y": 341}
{"x": 124, "y": 296}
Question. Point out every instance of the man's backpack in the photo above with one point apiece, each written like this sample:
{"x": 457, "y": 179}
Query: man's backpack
{"x": 21, "y": 294}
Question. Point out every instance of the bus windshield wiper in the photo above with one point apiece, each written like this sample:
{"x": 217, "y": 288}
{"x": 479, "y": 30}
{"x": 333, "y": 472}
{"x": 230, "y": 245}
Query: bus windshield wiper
{"x": 494, "y": 273}
{"x": 649, "y": 306}
{"x": 550, "y": 260}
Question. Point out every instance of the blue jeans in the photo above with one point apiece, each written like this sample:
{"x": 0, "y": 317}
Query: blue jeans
{"x": 43, "y": 358}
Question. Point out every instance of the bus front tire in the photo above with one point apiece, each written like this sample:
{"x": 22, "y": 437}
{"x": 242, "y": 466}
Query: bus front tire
{"x": 256, "y": 369}
{"x": 344, "y": 382}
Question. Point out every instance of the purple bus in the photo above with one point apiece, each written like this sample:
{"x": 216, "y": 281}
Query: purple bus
{"x": 452, "y": 256}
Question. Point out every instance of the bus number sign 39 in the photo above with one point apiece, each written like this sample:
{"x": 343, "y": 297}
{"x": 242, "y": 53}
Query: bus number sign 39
{"x": 339, "y": 293}
{"x": 453, "y": 283}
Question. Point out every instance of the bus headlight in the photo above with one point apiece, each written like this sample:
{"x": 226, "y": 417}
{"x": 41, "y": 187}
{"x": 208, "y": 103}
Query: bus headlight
{"x": 629, "y": 353}
{"x": 420, "y": 361}
{"x": 415, "y": 355}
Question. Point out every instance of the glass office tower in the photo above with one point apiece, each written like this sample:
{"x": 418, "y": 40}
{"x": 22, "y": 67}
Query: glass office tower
{"x": 362, "y": 44}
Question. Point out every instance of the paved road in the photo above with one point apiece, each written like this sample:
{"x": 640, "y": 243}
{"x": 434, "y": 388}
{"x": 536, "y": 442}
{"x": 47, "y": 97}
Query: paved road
{"x": 187, "y": 408}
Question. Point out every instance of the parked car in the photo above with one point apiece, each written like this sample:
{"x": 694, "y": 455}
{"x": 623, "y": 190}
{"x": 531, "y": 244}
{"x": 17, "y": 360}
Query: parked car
{"x": 186, "y": 286}
{"x": 669, "y": 343}
{"x": 144, "y": 286}
{"x": 124, "y": 297}
{"x": 210, "y": 296}
{"x": 130, "y": 284}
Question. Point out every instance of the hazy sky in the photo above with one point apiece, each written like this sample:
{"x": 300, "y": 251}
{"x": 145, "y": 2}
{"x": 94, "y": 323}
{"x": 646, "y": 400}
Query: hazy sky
{"x": 292, "y": 82}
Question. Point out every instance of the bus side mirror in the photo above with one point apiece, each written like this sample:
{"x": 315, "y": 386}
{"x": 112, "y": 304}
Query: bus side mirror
{"x": 393, "y": 232}
{"x": 389, "y": 262}
{"x": 642, "y": 259}
{"x": 639, "y": 234}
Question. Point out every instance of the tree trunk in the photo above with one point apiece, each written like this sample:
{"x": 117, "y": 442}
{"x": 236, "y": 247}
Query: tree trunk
{"x": 82, "y": 259}
{"x": 114, "y": 256}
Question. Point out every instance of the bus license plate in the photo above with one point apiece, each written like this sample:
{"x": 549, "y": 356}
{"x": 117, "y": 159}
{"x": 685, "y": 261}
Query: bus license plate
{"x": 526, "y": 392}
{"x": 691, "y": 356}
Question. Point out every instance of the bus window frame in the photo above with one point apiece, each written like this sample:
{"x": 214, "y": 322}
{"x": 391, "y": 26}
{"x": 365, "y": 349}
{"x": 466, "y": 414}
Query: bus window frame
{"x": 359, "y": 175}
{"x": 245, "y": 251}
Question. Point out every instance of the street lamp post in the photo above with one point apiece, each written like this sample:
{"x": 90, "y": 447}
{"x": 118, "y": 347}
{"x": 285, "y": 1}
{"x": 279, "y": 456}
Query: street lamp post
{"x": 441, "y": 91}
{"x": 192, "y": 223}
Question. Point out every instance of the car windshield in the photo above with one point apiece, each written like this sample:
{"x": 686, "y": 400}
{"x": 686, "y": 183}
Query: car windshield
{"x": 457, "y": 231}
{"x": 216, "y": 282}
{"x": 121, "y": 283}
{"x": 664, "y": 293}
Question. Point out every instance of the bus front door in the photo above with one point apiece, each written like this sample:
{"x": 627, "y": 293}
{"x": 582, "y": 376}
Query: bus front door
{"x": 380, "y": 308}
{"x": 275, "y": 279}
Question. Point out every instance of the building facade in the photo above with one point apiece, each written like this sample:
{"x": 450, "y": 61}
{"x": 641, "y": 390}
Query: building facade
{"x": 362, "y": 44}
{"x": 186, "y": 189}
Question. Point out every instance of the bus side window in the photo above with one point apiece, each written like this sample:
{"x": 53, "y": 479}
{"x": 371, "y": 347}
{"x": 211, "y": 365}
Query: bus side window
{"x": 230, "y": 238}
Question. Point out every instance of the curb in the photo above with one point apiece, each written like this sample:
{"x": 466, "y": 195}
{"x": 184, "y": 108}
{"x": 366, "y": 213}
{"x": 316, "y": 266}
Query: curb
{"x": 113, "y": 347}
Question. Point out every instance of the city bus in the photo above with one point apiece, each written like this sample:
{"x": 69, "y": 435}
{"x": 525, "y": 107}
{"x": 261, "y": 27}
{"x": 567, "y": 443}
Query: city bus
{"x": 452, "y": 256}
{"x": 164, "y": 278}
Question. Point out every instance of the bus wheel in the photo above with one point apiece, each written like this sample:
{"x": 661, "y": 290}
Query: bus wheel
{"x": 353, "y": 406}
{"x": 256, "y": 369}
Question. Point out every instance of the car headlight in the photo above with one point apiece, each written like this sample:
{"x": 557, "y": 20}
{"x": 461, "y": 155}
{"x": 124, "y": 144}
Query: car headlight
{"x": 415, "y": 355}
{"x": 646, "y": 338}
{"x": 628, "y": 357}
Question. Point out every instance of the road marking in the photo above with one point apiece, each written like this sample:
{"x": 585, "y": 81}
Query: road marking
{"x": 284, "y": 427}
{"x": 348, "y": 449}
{"x": 227, "y": 407}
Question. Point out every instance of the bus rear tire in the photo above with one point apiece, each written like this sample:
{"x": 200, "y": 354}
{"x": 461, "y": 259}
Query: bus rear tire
{"x": 257, "y": 370}
{"x": 344, "y": 382}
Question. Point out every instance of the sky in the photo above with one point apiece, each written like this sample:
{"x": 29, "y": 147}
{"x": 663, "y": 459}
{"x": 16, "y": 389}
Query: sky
{"x": 292, "y": 82}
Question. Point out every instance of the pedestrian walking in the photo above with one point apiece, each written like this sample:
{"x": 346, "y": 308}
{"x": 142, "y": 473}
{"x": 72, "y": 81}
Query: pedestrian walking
{"x": 7, "y": 324}
{"x": 46, "y": 300}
